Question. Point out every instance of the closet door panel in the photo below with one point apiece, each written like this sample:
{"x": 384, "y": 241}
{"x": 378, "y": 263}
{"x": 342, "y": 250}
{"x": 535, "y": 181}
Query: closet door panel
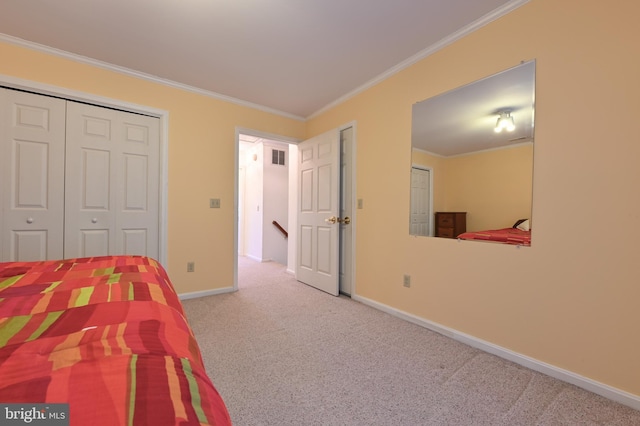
{"x": 92, "y": 220}
{"x": 96, "y": 179}
{"x": 112, "y": 182}
{"x": 134, "y": 241}
{"x": 91, "y": 156}
{"x": 138, "y": 217}
{"x": 26, "y": 246}
{"x": 32, "y": 139}
{"x": 91, "y": 235}
{"x": 94, "y": 242}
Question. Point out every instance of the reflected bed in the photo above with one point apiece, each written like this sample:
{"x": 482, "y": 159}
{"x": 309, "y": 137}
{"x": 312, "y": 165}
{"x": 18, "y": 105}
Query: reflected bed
{"x": 506, "y": 236}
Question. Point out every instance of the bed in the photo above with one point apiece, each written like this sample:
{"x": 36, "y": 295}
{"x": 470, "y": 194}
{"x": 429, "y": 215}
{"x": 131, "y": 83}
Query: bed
{"x": 518, "y": 234}
{"x": 107, "y": 336}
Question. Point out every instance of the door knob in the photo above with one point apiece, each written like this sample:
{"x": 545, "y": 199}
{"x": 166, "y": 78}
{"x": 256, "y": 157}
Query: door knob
{"x": 332, "y": 220}
{"x": 346, "y": 220}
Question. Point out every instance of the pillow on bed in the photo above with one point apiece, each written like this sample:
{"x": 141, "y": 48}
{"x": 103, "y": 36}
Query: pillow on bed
{"x": 524, "y": 225}
{"x": 518, "y": 222}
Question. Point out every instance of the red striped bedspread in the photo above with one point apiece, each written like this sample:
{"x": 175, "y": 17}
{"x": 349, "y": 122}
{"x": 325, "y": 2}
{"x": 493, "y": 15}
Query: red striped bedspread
{"x": 108, "y": 336}
{"x": 506, "y": 236}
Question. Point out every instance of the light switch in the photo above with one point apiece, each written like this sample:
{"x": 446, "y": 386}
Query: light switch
{"x": 214, "y": 203}
{"x": 360, "y": 203}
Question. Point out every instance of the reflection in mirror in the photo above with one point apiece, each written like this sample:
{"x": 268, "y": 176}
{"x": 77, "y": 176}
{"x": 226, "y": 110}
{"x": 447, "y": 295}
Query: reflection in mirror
{"x": 472, "y": 160}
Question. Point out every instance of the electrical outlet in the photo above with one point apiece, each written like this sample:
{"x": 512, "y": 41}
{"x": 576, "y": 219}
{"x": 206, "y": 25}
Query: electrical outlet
{"x": 406, "y": 281}
{"x": 191, "y": 266}
{"x": 214, "y": 203}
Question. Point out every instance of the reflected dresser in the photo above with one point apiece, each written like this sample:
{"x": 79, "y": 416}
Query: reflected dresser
{"x": 450, "y": 224}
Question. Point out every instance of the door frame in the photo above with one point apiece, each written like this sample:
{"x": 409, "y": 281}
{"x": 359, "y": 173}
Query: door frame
{"x": 293, "y": 141}
{"x": 101, "y": 101}
{"x": 354, "y": 202}
{"x": 236, "y": 185}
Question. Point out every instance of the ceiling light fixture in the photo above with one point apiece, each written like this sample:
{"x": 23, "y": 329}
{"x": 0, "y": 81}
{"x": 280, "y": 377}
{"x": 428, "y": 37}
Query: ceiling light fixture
{"x": 505, "y": 122}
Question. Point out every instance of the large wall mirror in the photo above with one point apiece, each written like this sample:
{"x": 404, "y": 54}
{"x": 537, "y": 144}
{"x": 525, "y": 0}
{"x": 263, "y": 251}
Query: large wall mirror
{"x": 472, "y": 160}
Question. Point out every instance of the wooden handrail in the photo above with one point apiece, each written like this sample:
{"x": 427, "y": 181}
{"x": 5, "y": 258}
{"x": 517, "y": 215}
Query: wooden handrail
{"x": 281, "y": 229}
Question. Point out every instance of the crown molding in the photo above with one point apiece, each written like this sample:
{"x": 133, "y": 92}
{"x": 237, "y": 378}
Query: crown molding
{"x": 137, "y": 74}
{"x": 479, "y": 23}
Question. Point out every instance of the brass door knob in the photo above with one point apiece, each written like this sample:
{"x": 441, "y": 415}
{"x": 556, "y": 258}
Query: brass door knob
{"x": 332, "y": 220}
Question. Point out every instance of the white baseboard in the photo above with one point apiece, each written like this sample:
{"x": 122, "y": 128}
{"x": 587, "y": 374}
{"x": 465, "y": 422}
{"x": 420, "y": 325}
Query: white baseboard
{"x": 197, "y": 294}
{"x": 598, "y": 388}
{"x": 258, "y": 259}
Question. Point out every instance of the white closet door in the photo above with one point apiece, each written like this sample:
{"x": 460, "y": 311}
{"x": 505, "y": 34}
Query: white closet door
{"x": 420, "y": 201}
{"x": 137, "y": 222}
{"x": 32, "y": 139}
{"x": 112, "y": 174}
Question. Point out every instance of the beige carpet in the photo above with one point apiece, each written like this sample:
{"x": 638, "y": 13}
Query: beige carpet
{"x": 282, "y": 353}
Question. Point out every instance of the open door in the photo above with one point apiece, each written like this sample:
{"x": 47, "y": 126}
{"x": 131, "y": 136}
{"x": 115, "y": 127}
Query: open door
{"x": 318, "y": 211}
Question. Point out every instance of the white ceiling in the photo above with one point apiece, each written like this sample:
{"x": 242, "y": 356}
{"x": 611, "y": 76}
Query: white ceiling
{"x": 294, "y": 57}
{"x": 462, "y": 121}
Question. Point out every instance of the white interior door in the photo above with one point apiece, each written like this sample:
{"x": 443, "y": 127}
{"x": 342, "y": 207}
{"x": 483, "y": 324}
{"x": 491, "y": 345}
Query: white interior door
{"x": 318, "y": 212}
{"x": 420, "y": 201}
{"x": 32, "y": 139}
{"x": 111, "y": 203}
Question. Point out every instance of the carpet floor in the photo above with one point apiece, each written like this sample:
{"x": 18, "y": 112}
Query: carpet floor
{"x": 282, "y": 353}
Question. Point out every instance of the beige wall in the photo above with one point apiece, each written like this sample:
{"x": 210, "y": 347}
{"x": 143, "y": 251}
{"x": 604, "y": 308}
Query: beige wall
{"x": 201, "y": 157}
{"x": 571, "y": 300}
{"x": 494, "y": 187}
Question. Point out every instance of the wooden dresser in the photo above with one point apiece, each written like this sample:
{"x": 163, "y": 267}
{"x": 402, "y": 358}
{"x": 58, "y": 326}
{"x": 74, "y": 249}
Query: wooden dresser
{"x": 450, "y": 224}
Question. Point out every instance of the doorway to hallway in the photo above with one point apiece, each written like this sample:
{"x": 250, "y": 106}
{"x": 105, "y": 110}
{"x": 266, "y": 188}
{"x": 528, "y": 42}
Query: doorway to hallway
{"x": 262, "y": 193}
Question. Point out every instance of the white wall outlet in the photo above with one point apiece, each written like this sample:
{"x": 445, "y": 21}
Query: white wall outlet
{"x": 191, "y": 266}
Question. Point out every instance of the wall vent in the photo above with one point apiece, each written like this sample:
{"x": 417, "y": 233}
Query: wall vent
{"x": 277, "y": 157}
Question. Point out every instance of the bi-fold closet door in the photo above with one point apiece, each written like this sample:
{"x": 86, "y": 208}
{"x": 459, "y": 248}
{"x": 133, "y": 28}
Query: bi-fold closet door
{"x": 76, "y": 180}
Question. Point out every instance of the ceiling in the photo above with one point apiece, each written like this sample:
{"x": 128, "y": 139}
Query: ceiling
{"x": 463, "y": 120}
{"x": 292, "y": 57}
